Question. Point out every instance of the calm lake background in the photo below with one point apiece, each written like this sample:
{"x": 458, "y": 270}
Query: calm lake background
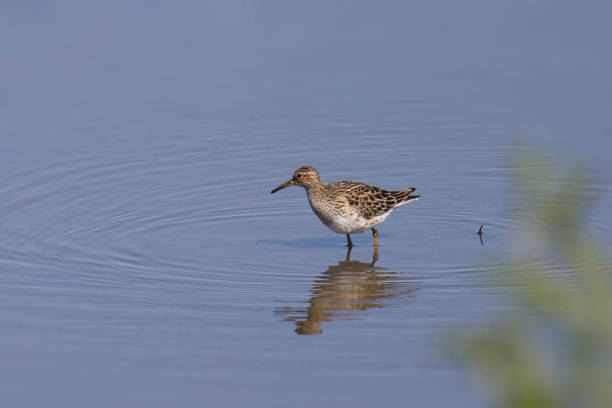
{"x": 143, "y": 261}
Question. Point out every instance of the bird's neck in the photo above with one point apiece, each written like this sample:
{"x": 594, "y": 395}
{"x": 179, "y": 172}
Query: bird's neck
{"x": 315, "y": 189}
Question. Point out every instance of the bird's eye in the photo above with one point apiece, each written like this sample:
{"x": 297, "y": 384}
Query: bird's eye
{"x": 299, "y": 176}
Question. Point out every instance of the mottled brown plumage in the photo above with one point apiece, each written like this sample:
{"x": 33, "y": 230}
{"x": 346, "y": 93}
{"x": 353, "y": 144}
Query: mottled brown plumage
{"x": 372, "y": 201}
{"x": 348, "y": 206}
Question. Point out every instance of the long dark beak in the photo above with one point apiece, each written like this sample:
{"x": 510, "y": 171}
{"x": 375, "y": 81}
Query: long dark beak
{"x": 285, "y": 184}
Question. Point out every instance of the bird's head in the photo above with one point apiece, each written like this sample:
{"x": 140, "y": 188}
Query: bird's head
{"x": 306, "y": 177}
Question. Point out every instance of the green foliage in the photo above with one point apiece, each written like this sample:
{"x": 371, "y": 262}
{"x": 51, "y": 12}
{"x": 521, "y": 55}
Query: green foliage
{"x": 555, "y": 349}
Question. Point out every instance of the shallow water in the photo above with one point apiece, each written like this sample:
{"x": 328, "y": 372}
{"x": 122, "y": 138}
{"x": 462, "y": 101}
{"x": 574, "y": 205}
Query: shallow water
{"x": 144, "y": 261}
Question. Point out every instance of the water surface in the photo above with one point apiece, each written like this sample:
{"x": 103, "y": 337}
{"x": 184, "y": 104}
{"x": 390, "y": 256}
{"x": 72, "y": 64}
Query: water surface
{"x": 144, "y": 262}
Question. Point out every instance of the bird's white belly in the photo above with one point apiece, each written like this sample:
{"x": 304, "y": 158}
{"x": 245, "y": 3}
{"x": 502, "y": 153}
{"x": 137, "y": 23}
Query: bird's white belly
{"x": 349, "y": 225}
{"x": 345, "y": 220}
{"x": 345, "y": 225}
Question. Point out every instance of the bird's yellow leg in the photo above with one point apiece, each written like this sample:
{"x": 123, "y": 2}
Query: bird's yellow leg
{"x": 374, "y": 256}
{"x": 375, "y": 235}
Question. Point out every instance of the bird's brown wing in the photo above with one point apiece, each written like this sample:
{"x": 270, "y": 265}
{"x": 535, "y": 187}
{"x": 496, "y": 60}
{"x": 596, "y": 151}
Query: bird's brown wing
{"x": 371, "y": 201}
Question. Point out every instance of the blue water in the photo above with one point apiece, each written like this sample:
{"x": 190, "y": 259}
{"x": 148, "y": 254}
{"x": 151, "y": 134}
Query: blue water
{"x": 143, "y": 261}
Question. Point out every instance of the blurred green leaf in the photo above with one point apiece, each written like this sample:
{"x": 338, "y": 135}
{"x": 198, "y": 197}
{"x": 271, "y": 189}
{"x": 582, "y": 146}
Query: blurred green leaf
{"x": 556, "y": 349}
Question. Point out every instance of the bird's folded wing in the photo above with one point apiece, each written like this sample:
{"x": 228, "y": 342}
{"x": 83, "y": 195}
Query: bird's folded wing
{"x": 370, "y": 201}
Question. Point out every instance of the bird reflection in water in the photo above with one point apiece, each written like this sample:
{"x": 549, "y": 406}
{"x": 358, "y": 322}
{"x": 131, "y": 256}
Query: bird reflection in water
{"x": 343, "y": 290}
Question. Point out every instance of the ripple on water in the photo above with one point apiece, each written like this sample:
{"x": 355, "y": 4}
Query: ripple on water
{"x": 180, "y": 216}
{"x": 92, "y": 216}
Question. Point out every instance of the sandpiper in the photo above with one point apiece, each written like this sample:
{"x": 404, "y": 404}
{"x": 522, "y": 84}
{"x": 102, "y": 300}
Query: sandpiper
{"x": 348, "y": 207}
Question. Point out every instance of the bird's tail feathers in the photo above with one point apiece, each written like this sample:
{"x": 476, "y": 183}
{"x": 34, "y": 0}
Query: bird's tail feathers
{"x": 405, "y": 196}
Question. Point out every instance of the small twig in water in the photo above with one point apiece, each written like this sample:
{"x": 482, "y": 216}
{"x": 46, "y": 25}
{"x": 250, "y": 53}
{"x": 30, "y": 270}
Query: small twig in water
{"x": 480, "y": 229}
{"x": 480, "y": 234}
